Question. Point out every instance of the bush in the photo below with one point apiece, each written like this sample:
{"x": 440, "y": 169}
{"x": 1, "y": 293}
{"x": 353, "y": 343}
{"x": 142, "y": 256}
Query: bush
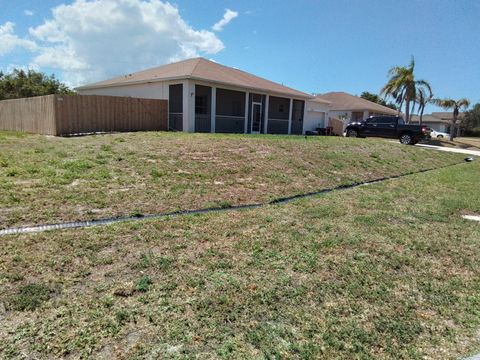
{"x": 473, "y": 132}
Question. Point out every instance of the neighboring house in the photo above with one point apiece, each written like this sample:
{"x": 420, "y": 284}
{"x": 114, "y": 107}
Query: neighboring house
{"x": 439, "y": 121}
{"x": 316, "y": 115}
{"x": 347, "y": 108}
{"x": 205, "y": 96}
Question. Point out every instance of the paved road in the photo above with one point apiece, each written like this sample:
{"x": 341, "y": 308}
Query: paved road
{"x": 454, "y": 150}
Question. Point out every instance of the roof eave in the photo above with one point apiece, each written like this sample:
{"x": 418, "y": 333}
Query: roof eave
{"x": 262, "y": 90}
{"x": 127, "y": 83}
{"x": 137, "y": 82}
{"x": 364, "y": 109}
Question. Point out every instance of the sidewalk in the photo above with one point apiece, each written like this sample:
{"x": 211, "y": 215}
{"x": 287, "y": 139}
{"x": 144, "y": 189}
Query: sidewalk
{"x": 454, "y": 150}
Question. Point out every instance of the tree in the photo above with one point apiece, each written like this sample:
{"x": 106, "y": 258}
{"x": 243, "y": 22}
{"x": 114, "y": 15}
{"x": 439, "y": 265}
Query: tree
{"x": 19, "y": 84}
{"x": 471, "y": 119}
{"x": 456, "y": 106}
{"x": 402, "y": 86}
{"x": 423, "y": 97}
{"x": 377, "y": 99}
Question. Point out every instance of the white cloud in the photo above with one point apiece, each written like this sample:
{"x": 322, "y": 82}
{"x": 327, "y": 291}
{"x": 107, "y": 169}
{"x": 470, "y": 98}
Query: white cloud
{"x": 10, "y": 42}
{"x": 227, "y": 17}
{"x": 91, "y": 40}
{"x": 28, "y": 12}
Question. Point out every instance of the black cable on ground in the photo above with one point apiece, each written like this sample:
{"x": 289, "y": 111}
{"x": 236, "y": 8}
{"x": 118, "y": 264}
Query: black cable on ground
{"x": 278, "y": 201}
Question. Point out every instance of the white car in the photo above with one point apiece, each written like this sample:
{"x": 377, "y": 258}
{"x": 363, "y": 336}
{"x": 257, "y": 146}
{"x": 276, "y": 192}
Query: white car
{"x": 439, "y": 135}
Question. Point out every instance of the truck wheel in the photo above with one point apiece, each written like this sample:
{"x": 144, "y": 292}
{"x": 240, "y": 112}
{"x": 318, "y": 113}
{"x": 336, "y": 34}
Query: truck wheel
{"x": 406, "y": 139}
{"x": 352, "y": 133}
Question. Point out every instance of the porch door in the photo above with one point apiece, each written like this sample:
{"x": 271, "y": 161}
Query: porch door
{"x": 297, "y": 117}
{"x": 256, "y": 117}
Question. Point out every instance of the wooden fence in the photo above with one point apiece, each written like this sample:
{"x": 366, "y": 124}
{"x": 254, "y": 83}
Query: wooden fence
{"x": 33, "y": 115}
{"x": 82, "y": 114}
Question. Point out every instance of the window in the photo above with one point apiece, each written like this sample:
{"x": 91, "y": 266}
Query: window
{"x": 230, "y": 103}
{"x": 387, "y": 120}
{"x": 175, "y": 98}
{"x": 256, "y": 98}
{"x": 203, "y": 99}
{"x": 278, "y": 108}
{"x": 401, "y": 121}
{"x": 201, "y": 104}
{"x": 237, "y": 107}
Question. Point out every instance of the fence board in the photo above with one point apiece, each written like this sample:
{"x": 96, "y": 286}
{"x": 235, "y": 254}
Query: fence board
{"x": 79, "y": 114}
{"x": 33, "y": 115}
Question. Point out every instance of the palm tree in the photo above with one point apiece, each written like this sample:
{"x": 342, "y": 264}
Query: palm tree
{"x": 424, "y": 96}
{"x": 449, "y": 104}
{"x": 402, "y": 86}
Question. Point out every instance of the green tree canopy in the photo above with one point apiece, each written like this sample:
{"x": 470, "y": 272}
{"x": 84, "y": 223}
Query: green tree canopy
{"x": 20, "y": 83}
{"x": 377, "y": 99}
{"x": 471, "y": 119}
{"x": 402, "y": 87}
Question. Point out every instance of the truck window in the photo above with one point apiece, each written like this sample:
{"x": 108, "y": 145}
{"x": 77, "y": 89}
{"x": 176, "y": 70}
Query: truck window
{"x": 401, "y": 121}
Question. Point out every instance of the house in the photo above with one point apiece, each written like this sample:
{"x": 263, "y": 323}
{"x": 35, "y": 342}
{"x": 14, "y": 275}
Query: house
{"x": 317, "y": 114}
{"x": 346, "y": 108}
{"x": 438, "y": 121}
{"x": 205, "y": 96}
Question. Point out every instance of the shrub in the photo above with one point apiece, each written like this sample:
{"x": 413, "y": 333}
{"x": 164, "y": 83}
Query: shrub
{"x": 473, "y": 132}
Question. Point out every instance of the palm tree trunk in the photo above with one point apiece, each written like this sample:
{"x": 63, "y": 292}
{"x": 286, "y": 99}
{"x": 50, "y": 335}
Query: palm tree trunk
{"x": 412, "y": 110}
{"x": 407, "y": 110}
{"x": 422, "y": 107}
{"x": 452, "y": 130}
{"x": 400, "y": 107}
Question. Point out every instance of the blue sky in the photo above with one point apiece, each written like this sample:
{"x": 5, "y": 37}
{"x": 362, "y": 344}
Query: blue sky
{"x": 313, "y": 46}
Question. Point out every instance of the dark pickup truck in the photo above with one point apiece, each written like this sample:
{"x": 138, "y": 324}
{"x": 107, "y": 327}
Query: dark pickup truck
{"x": 393, "y": 127}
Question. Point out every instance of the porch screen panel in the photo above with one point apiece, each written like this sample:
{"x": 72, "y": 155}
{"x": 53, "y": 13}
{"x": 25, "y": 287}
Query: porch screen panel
{"x": 203, "y": 104}
{"x": 297, "y": 117}
{"x": 175, "y": 107}
{"x": 278, "y": 112}
{"x": 249, "y": 117}
{"x": 230, "y": 111}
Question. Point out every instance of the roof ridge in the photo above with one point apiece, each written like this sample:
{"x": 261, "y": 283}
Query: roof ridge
{"x": 198, "y": 62}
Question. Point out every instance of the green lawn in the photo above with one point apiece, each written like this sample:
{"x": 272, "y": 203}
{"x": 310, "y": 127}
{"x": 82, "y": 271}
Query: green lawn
{"x": 388, "y": 270}
{"x": 51, "y": 179}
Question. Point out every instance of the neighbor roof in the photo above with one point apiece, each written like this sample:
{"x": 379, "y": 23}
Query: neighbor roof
{"x": 199, "y": 69}
{"x": 427, "y": 118}
{"x": 438, "y": 117}
{"x": 446, "y": 115}
{"x": 343, "y": 101}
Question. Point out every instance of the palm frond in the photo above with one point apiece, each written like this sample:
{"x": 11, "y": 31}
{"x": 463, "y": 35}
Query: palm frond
{"x": 463, "y": 103}
{"x": 446, "y": 104}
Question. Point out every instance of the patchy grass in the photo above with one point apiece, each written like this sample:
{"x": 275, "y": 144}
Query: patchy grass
{"x": 51, "y": 179}
{"x": 29, "y": 297}
{"x": 469, "y": 143}
{"x": 473, "y": 142}
{"x": 388, "y": 271}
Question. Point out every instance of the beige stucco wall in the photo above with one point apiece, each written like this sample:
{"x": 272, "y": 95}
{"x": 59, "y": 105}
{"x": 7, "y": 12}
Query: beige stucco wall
{"x": 157, "y": 90}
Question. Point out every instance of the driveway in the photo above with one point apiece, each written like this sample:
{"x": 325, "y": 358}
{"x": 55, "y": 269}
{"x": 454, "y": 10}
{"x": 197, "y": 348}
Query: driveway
{"x": 454, "y": 150}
